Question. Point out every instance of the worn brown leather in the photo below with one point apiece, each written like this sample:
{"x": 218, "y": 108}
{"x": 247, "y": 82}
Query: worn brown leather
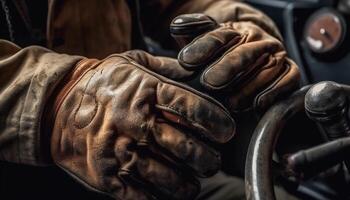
{"x": 126, "y": 131}
{"x": 156, "y": 15}
{"x": 237, "y": 61}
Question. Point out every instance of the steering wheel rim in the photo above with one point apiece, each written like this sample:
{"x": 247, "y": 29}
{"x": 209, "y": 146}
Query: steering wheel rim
{"x": 258, "y": 181}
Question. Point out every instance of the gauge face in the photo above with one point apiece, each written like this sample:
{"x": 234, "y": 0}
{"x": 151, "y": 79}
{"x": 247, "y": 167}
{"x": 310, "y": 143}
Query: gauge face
{"x": 325, "y": 31}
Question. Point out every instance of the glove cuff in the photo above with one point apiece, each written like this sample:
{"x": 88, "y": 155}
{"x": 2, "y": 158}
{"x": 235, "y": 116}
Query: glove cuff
{"x": 62, "y": 90}
{"x": 70, "y": 80}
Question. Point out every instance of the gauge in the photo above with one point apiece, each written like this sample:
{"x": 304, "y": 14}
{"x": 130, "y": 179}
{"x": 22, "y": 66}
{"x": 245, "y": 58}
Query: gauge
{"x": 325, "y": 31}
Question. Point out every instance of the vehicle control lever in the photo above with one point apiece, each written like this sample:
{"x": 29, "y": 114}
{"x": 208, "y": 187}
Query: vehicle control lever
{"x": 327, "y": 104}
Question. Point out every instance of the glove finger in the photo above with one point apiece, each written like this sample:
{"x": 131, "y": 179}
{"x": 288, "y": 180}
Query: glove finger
{"x": 238, "y": 63}
{"x": 184, "y": 28}
{"x": 185, "y": 106}
{"x": 288, "y": 80}
{"x": 157, "y": 178}
{"x": 243, "y": 97}
{"x": 164, "y": 66}
{"x": 205, "y": 48}
{"x": 201, "y": 158}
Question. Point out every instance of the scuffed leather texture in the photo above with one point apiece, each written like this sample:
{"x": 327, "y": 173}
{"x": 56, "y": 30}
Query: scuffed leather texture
{"x": 231, "y": 10}
{"x": 156, "y": 15}
{"x": 128, "y": 132}
{"x": 238, "y": 62}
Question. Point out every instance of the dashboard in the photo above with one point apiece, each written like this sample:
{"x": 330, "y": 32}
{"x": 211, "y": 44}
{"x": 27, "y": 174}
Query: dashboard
{"x": 316, "y": 34}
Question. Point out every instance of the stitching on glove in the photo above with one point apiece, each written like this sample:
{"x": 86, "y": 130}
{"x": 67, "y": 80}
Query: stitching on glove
{"x": 76, "y": 124}
{"x": 188, "y": 121}
{"x": 264, "y": 92}
{"x": 270, "y": 65}
{"x": 71, "y": 84}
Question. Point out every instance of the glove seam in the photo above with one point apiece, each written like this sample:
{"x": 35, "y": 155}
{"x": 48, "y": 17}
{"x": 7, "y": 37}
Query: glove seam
{"x": 72, "y": 81}
{"x": 194, "y": 124}
{"x": 262, "y": 93}
{"x": 257, "y": 72}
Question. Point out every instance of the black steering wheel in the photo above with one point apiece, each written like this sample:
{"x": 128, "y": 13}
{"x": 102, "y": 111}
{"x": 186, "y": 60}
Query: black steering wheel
{"x": 327, "y": 104}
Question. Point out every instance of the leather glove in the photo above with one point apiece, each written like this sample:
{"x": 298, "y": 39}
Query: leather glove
{"x": 126, "y": 131}
{"x": 238, "y": 62}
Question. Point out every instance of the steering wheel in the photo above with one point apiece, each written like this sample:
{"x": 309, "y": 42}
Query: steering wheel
{"x": 327, "y": 104}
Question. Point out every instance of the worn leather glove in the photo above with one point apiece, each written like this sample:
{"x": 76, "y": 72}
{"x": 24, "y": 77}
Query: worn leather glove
{"x": 237, "y": 62}
{"x": 126, "y": 131}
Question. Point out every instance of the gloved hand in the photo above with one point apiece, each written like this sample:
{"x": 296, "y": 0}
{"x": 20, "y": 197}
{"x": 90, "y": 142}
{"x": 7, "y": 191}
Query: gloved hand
{"x": 126, "y": 131}
{"x": 238, "y": 62}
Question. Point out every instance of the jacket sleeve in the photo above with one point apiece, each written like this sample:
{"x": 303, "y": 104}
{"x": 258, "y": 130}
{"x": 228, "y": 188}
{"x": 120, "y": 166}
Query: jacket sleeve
{"x": 157, "y": 14}
{"x": 27, "y": 78}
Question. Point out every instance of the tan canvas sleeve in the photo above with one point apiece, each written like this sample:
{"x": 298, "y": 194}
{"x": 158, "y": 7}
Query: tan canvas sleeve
{"x": 27, "y": 78}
